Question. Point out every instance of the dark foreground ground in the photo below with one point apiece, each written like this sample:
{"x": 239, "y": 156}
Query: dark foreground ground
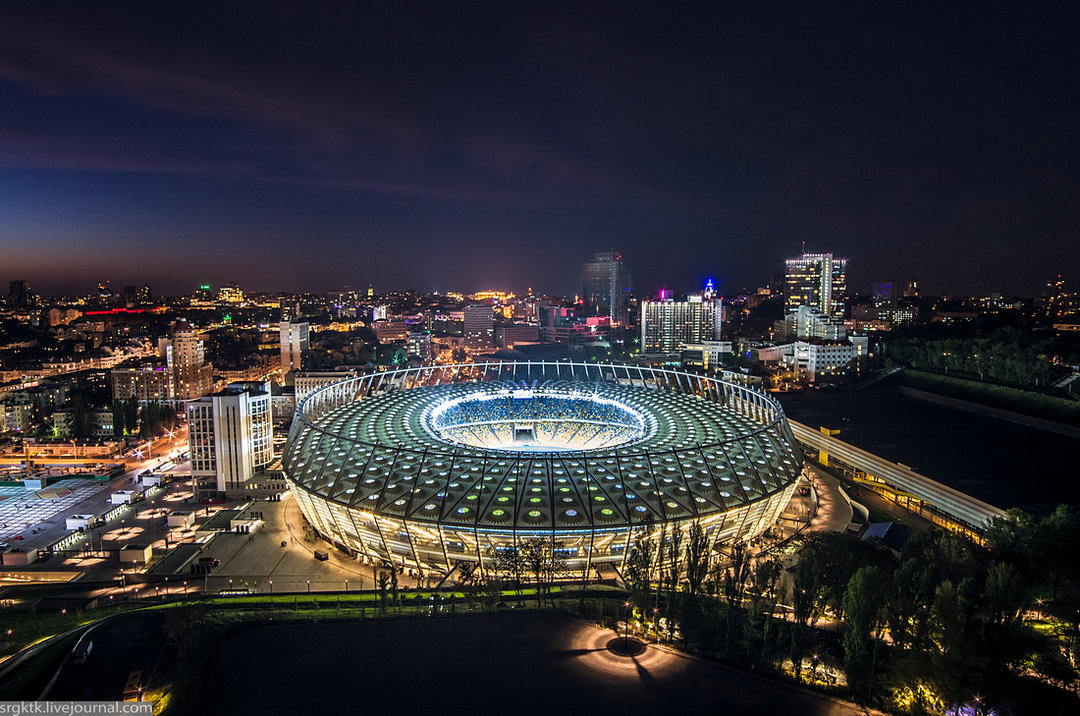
{"x": 1000, "y": 462}
{"x": 492, "y": 664}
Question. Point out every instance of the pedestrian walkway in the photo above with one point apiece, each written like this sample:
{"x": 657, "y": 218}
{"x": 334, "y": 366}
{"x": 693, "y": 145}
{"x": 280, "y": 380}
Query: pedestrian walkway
{"x": 834, "y": 511}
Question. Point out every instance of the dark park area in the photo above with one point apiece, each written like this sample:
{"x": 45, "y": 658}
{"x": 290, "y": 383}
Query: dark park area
{"x": 495, "y": 664}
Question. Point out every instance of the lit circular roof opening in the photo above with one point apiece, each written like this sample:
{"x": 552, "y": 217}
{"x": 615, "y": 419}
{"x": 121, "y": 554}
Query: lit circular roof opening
{"x": 537, "y": 420}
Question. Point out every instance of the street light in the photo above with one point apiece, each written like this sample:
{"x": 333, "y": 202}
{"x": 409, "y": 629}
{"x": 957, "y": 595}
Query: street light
{"x": 309, "y": 586}
{"x": 626, "y": 623}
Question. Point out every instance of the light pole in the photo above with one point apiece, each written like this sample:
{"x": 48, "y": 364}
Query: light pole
{"x": 346, "y": 585}
{"x": 626, "y": 623}
{"x": 271, "y": 583}
{"x": 309, "y": 586}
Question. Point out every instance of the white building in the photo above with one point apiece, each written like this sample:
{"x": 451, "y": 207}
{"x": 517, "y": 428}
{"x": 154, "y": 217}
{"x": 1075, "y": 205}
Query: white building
{"x": 184, "y": 357}
{"x": 310, "y": 381}
{"x": 807, "y": 322}
{"x": 819, "y": 358}
{"x": 707, "y": 354}
{"x": 294, "y": 343}
{"x": 668, "y": 325}
{"x": 230, "y": 436}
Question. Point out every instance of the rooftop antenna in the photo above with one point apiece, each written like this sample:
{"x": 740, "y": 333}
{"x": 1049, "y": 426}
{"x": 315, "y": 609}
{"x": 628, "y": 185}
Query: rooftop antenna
{"x": 804, "y": 247}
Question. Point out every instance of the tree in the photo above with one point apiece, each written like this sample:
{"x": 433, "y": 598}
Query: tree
{"x": 510, "y": 562}
{"x": 131, "y": 415}
{"x": 117, "y": 409}
{"x": 911, "y": 590}
{"x": 544, "y": 561}
{"x": 807, "y": 595}
{"x": 761, "y": 598}
{"x": 1059, "y": 544}
{"x": 697, "y": 558}
{"x": 863, "y": 601}
{"x": 673, "y": 571}
{"x": 383, "y": 581}
{"x": 639, "y": 570}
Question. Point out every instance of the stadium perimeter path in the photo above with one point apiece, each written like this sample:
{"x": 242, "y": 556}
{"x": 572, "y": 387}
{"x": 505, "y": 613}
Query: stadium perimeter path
{"x": 834, "y": 511}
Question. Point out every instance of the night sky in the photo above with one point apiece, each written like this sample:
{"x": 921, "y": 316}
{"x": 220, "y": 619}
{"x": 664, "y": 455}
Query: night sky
{"x": 461, "y": 146}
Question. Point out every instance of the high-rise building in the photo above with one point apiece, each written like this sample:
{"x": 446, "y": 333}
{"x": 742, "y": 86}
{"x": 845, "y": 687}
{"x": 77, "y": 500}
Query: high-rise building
{"x": 605, "y": 286}
{"x": 294, "y": 345}
{"x": 479, "y": 327}
{"x": 815, "y": 280}
{"x": 145, "y": 296}
{"x": 668, "y": 325}
{"x": 230, "y": 436}
{"x": 19, "y": 294}
{"x": 912, "y": 290}
{"x": 184, "y": 357}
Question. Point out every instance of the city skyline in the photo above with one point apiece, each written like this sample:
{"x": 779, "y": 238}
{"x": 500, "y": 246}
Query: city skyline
{"x": 447, "y": 148}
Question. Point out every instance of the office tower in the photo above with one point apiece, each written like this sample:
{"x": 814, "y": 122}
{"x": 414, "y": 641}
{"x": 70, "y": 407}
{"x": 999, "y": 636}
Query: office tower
{"x": 815, "y": 280}
{"x": 230, "y": 436}
{"x": 19, "y": 295}
{"x": 912, "y": 290}
{"x": 145, "y": 296}
{"x": 479, "y": 327}
{"x": 131, "y": 295}
{"x": 294, "y": 344}
{"x": 605, "y": 287}
{"x": 667, "y": 325}
{"x": 184, "y": 358}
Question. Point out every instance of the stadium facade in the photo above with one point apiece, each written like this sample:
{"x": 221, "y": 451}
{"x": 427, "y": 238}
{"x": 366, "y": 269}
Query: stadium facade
{"x": 429, "y": 467}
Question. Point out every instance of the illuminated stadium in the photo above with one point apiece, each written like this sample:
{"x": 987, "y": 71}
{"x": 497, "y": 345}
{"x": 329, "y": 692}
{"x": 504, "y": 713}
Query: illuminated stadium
{"x": 428, "y": 467}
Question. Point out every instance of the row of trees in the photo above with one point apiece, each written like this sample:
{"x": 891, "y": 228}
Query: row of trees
{"x": 942, "y": 624}
{"x": 1008, "y": 355}
{"x": 153, "y": 418}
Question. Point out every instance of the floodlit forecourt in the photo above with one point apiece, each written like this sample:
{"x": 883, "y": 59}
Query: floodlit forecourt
{"x": 429, "y": 467}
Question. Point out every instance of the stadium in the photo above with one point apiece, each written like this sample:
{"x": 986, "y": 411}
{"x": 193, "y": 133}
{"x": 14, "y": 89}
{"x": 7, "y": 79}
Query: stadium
{"x": 429, "y": 467}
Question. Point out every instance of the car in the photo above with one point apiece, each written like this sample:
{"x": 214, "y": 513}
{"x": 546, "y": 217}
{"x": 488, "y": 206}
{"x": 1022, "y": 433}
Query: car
{"x": 4, "y": 545}
{"x": 212, "y": 561}
{"x": 17, "y": 537}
